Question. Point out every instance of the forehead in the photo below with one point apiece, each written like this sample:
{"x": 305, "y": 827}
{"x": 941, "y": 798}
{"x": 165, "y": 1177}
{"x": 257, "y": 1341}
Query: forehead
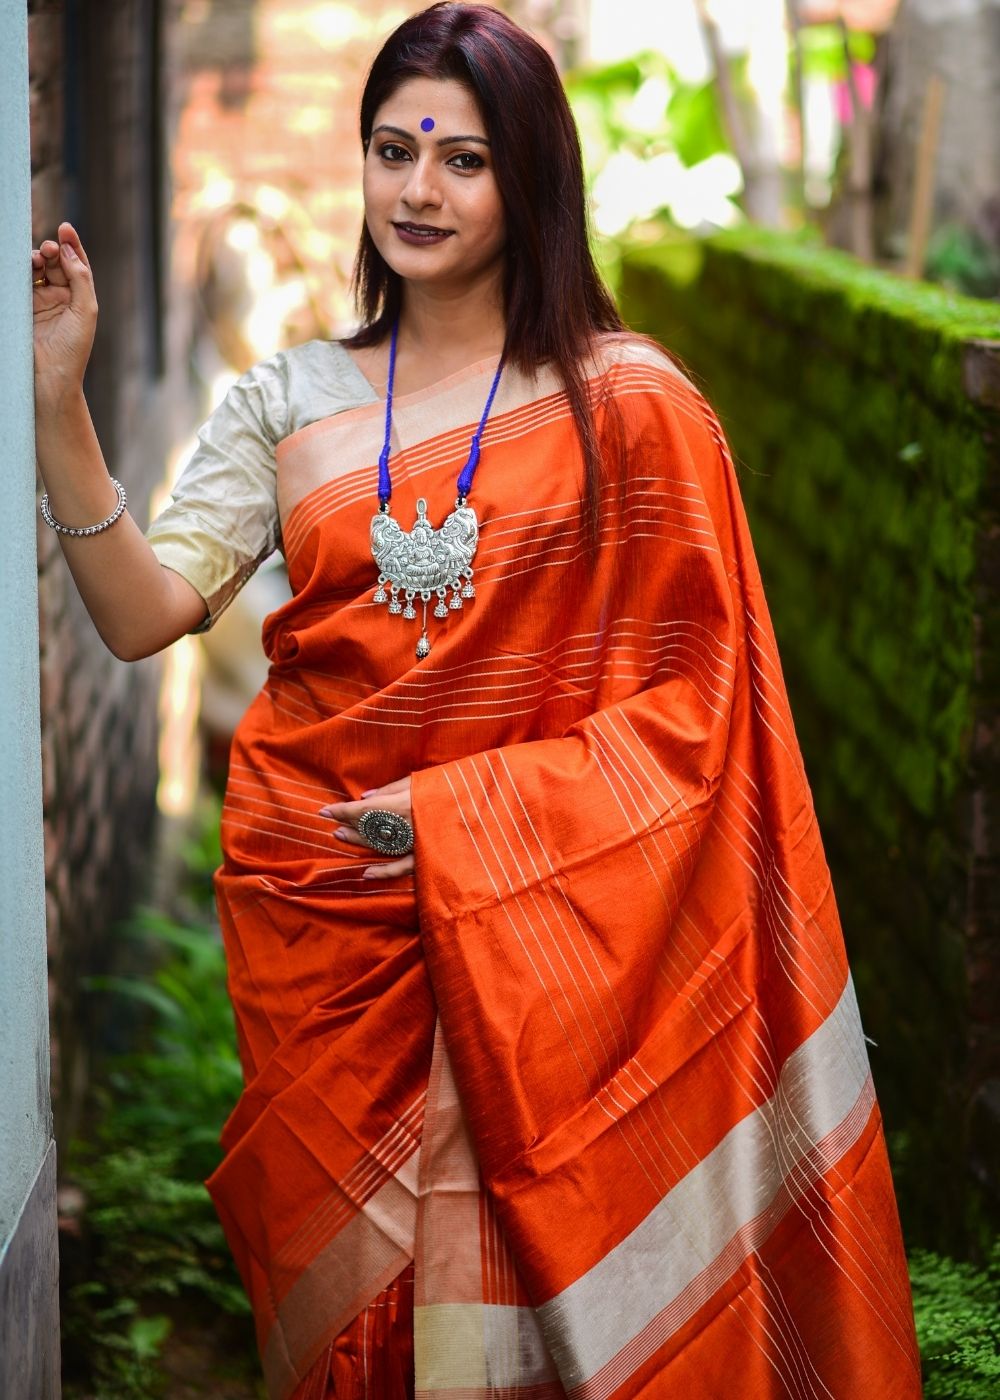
{"x": 450, "y": 103}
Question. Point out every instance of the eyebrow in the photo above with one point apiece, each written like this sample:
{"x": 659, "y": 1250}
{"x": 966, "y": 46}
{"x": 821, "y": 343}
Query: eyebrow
{"x": 441, "y": 141}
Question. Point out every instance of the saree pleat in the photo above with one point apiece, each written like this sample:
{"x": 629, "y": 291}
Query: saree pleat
{"x": 596, "y": 1071}
{"x": 372, "y": 1359}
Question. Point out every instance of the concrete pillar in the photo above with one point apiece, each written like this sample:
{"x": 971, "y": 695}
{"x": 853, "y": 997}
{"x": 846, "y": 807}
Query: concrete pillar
{"x": 29, "y": 1267}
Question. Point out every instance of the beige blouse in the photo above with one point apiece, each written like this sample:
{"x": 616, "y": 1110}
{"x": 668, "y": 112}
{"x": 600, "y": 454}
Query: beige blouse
{"x": 222, "y": 520}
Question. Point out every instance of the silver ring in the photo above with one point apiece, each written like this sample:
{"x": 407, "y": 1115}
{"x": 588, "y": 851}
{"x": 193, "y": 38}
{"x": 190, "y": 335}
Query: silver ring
{"x": 388, "y": 832}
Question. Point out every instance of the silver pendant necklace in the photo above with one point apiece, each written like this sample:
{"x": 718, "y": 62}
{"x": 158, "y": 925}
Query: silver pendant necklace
{"x": 424, "y": 562}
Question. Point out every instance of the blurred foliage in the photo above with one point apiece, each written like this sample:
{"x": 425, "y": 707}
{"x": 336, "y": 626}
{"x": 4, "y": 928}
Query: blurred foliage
{"x": 641, "y": 107}
{"x": 154, "y": 1241}
{"x": 823, "y": 54}
{"x": 680, "y": 116}
{"x": 963, "y": 260}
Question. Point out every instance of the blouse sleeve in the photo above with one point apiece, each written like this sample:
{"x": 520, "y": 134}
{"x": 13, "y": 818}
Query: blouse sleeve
{"x": 222, "y": 519}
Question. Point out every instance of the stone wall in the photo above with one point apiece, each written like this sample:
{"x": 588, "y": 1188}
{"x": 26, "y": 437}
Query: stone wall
{"x": 864, "y": 412}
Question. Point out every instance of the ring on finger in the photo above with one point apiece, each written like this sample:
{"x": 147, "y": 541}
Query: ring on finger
{"x": 387, "y": 832}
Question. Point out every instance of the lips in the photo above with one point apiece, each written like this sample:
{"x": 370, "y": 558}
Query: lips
{"x": 421, "y": 233}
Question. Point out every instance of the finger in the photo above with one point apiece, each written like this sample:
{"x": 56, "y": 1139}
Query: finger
{"x": 351, "y": 837}
{"x": 389, "y": 870}
{"x": 77, "y": 273}
{"x": 68, "y": 234}
{"x": 348, "y": 812}
{"x": 52, "y": 263}
{"x": 398, "y": 785}
{"x": 351, "y": 812}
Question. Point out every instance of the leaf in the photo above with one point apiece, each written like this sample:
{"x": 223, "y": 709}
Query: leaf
{"x": 147, "y": 1335}
{"x": 695, "y": 122}
{"x": 136, "y": 990}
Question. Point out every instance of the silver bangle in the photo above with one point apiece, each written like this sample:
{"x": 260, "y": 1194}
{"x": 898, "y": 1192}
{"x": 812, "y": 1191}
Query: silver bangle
{"x": 55, "y": 524}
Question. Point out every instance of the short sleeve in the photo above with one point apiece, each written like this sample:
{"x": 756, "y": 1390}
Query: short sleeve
{"x": 222, "y": 519}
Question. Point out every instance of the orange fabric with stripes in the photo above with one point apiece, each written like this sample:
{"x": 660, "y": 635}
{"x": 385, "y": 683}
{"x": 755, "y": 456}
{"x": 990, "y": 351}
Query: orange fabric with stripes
{"x": 597, "y": 1069}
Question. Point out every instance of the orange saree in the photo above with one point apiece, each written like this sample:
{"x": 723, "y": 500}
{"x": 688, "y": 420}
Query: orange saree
{"x": 593, "y": 1082}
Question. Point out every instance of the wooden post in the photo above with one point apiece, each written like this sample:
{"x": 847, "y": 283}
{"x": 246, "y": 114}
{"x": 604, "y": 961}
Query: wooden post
{"x": 922, "y": 208}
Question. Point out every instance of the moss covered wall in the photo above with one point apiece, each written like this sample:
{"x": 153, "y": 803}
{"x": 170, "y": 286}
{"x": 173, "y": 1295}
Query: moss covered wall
{"x": 863, "y": 411}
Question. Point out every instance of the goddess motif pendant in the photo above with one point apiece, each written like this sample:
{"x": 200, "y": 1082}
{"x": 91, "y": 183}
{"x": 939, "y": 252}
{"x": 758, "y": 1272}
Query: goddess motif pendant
{"x": 424, "y": 562}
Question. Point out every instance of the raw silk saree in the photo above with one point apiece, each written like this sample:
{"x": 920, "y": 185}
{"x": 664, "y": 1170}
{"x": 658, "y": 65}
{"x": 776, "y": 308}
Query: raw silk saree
{"x": 595, "y": 1075}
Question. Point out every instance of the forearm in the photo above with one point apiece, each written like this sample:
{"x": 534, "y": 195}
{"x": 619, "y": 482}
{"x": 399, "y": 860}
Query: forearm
{"x": 138, "y": 606}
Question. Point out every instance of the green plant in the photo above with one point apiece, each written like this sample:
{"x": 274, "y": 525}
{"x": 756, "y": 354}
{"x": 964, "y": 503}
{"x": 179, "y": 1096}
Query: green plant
{"x": 963, "y": 260}
{"x": 201, "y": 853}
{"x": 641, "y": 126}
{"x": 957, "y": 1311}
{"x": 155, "y": 1244}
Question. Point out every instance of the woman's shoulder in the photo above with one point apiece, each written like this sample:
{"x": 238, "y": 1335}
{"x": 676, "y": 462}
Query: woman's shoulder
{"x": 301, "y": 383}
{"x": 619, "y": 352}
{"x": 651, "y": 387}
{"x": 326, "y": 362}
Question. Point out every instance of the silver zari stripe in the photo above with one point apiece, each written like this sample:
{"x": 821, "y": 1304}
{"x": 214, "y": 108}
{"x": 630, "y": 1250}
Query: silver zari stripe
{"x": 463, "y": 1346}
{"x": 759, "y": 1160}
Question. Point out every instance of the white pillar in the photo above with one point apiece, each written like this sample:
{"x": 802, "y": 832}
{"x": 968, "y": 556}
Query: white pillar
{"x": 29, "y": 1312}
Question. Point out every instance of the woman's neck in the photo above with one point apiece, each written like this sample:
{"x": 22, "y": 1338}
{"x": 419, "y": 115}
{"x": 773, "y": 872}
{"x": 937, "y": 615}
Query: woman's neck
{"x": 441, "y": 331}
{"x": 458, "y": 326}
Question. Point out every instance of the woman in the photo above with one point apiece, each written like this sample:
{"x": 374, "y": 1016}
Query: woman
{"x": 569, "y": 1094}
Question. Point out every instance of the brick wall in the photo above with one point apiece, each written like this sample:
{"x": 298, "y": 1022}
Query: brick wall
{"x": 269, "y": 130}
{"x": 864, "y": 412}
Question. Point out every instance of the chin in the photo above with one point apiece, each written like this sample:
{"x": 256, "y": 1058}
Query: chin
{"x": 421, "y": 265}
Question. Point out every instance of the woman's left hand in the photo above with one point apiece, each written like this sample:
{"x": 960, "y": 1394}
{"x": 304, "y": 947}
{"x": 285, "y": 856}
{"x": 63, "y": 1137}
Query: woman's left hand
{"x": 393, "y": 797}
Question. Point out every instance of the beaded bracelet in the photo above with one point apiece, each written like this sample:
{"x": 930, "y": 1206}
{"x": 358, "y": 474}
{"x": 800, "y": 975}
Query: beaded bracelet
{"x": 55, "y": 524}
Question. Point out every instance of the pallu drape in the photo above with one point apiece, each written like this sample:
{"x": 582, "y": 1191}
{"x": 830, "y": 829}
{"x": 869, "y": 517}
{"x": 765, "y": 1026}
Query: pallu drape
{"x": 596, "y": 1069}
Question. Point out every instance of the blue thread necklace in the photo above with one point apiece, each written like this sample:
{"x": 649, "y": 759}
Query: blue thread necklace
{"x": 425, "y": 561}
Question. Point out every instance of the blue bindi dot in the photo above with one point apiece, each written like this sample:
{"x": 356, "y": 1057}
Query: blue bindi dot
{"x": 427, "y": 124}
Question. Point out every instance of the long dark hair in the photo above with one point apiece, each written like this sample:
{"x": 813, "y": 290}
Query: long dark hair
{"x": 554, "y": 299}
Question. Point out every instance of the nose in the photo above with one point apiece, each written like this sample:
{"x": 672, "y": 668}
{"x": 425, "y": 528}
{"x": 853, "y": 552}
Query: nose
{"x": 422, "y": 190}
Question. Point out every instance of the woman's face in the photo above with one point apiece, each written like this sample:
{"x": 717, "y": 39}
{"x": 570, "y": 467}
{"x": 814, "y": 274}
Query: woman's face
{"x": 432, "y": 203}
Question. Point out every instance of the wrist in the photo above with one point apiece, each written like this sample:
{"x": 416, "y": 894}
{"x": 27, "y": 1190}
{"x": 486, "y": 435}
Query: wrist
{"x": 58, "y": 393}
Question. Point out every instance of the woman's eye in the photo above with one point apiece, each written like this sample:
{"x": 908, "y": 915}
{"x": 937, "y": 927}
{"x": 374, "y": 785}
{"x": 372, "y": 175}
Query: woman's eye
{"x": 467, "y": 160}
{"x": 391, "y": 151}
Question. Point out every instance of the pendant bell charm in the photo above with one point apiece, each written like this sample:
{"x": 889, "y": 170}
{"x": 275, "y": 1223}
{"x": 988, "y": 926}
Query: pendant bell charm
{"x": 425, "y": 562}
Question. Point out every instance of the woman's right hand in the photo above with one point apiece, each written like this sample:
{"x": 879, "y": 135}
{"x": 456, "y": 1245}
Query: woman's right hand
{"x": 65, "y": 314}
